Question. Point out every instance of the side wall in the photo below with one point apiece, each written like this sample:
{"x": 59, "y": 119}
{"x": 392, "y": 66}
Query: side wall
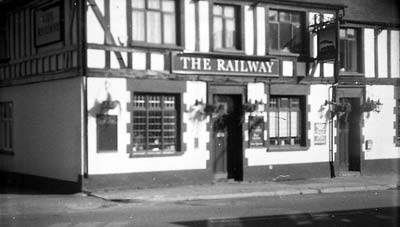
{"x": 47, "y": 129}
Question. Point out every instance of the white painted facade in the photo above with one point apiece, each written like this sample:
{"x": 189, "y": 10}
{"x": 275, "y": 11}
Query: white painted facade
{"x": 47, "y": 129}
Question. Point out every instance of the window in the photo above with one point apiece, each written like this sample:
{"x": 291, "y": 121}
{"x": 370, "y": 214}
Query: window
{"x": 286, "y": 117}
{"x": 155, "y": 124}
{"x": 286, "y": 31}
{"x": 6, "y": 127}
{"x": 226, "y": 33}
{"x": 349, "y": 50}
{"x": 154, "y": 21}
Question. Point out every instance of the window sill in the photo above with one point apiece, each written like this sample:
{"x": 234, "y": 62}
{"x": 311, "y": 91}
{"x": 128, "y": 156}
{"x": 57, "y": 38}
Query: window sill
{"x": 155, "y": 155}
{"x": 345, "y": 73}
{"x": 286, "y": 148}
{"x": 283, "y": 54}
{"x": 229, "y": 51}
{"x": 156, "y": 46}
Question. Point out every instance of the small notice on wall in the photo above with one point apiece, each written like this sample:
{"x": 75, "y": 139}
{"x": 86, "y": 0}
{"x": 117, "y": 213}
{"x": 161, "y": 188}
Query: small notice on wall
{"x": 48, "y": 27}
{"x": 320, "y": 133}
{"x": 256, "y": 131}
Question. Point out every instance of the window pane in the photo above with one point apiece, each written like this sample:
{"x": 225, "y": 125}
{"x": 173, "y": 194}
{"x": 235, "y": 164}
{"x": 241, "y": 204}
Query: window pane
{"x": 217, "y": 10}
{"x": 296, "y": 18}
{"x": 153, "y": 27}
{"x": 229, "y": 11}
{"x": 342, "y": 33}
{"x": 342, "y": 55}
{"x": 284, "y": 16}
{"x": 138, "y": 4}
{"x": 154, "y": 4}
{"x": 273, "y": 15}
{"x": 230, "y": 33}
{"x": 352, "y": 56}
{"x": 273, "y": 36}
{"x": 217, "y": 32}
{"x": 169, "y": 28}
{"x": 137, "y": 26}
{"x": 168, "y": 5}
{"x": 283, "y": 124}
{"x": 297, "y": 41}
{"x": 351, "y": 32}
{"x": 285, "y": 35}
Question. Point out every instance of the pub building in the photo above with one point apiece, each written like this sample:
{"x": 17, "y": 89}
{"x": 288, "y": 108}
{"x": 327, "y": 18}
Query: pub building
{"x": 98, "y": 94}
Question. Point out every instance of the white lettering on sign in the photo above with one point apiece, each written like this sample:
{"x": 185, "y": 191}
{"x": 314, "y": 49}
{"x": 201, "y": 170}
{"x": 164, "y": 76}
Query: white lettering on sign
{"x": 226, "y": 65}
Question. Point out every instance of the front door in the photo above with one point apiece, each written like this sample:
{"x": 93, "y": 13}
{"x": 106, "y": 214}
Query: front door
{"x": 349, "y": 136}
{"x": 227, "y": 135}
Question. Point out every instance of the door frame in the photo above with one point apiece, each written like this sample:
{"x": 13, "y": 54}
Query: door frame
{"x": 224, "y": 89}
{"x": 351, "y": 92}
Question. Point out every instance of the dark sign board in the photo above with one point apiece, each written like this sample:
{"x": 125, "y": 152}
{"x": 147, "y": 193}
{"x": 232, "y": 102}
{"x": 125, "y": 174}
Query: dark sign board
{"x": 224, "y": 65}
{"x": 327, "y": 46}
{"x": 107, "y": 133}
{"x": 48, "y": 24}
{"x": 256, "y": 131}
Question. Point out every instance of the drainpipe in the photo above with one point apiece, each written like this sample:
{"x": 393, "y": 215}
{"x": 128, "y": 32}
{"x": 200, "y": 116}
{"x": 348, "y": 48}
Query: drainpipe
{"x": 82, "y": 56}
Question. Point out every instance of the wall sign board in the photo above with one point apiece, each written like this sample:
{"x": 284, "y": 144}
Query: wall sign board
{"x": 327, "y": 46}
{"x": 256, "y": 131}
{"x": 48, "y": 24}
{"x": 107, "y": 129}
{"x": 320, "y": 133}
{"x": 224, "y": 65}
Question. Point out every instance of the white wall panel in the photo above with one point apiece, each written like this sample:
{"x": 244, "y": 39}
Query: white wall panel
{"x": 118, "y": 21}
{"x": 204, "y": 26}
{"x": 190, "y": 25}
{"x": 382, "y": 54}
{"x": 260, "y": 24}
{"x": 96, "y": 58}
{"x": 157, "y": 61}
{"x": 95, "y": 33}
{"x": 369, "y": 52}
{"x": 394, "y": 54}
{"x": 328, "y": 69}
{"x": 114, "y": 60}
{"x": 379, "y": 126}
{"x": 248, "y": 30}
{"x": 139, "y": 60}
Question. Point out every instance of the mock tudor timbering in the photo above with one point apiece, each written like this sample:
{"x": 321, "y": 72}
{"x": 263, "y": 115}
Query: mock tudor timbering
{"x": 139, "y": 93}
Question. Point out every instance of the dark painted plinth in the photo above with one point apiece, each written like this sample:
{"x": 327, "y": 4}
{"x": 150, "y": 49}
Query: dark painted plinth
{"x": 147, "y": 180}
{"x": 24, "y": 183}
{"x": 381, "y": 166}
{"x": 287, "y": 172}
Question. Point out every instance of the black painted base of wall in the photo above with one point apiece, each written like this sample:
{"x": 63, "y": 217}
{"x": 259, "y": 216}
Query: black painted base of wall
{"x": 286, "y": 172}
{"x": 147, "y": 180}
{"x": 25, "y": 183}
{"x": 381, "y": 166}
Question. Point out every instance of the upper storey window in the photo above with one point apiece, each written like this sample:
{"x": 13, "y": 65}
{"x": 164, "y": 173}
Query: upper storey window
{"x": 349, "y": 50}
{"x": 286, "y": 31}
{"x": 226, "y": 34}
{"x": 154, "y": 21}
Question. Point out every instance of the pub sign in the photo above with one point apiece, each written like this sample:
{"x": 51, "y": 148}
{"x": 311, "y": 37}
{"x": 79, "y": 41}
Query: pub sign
{"x": 48, "y": 24}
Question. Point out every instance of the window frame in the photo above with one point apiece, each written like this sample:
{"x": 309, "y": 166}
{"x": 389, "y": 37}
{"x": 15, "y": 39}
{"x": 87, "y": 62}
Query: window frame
{"x": 302, "y": 124}
{"x": 397, "y": 122}
{"x": 179, "y": 27}
{"x": 178, "y": 116}
{"x": 239, "y": 27}
{"x": 6, "y": 119}
{"x": 358, "y": 53}
{"x": 305, "y": 52}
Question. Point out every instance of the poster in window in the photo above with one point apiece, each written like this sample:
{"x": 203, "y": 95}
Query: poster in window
{"x": 256, "y": 131}
{"x": 107, "y": 133}
{"x": 320, "y": 133}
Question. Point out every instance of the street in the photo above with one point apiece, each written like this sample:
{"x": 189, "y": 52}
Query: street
{"x": 370, "y": 208}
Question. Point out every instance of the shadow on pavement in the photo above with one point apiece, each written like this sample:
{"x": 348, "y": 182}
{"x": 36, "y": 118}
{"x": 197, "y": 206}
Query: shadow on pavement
{"x": 383, "y": 216}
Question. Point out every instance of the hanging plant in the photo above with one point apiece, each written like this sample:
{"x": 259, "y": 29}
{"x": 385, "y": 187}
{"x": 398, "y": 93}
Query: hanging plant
{"x": 341, "y": 109}
{"x": 109, "y": 104}
{"x": 250, "y": 107}
{"x": 371, "y": 105}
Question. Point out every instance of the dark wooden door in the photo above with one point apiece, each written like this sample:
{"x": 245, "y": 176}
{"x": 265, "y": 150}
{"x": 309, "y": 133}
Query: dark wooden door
{"x": 350, "y": 136}
{"x": 227, "y": 133}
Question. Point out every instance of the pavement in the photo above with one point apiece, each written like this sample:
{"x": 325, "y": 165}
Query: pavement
{"x": 229, "y": 190}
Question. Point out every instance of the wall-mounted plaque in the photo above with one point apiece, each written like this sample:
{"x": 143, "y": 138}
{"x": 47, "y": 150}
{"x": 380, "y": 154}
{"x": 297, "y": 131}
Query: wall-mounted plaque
{"x": 48, "y": 24}
{"x": 256, "y": 131}
{"x": 320, "y": 133}
{"x": 107, "y": 133}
